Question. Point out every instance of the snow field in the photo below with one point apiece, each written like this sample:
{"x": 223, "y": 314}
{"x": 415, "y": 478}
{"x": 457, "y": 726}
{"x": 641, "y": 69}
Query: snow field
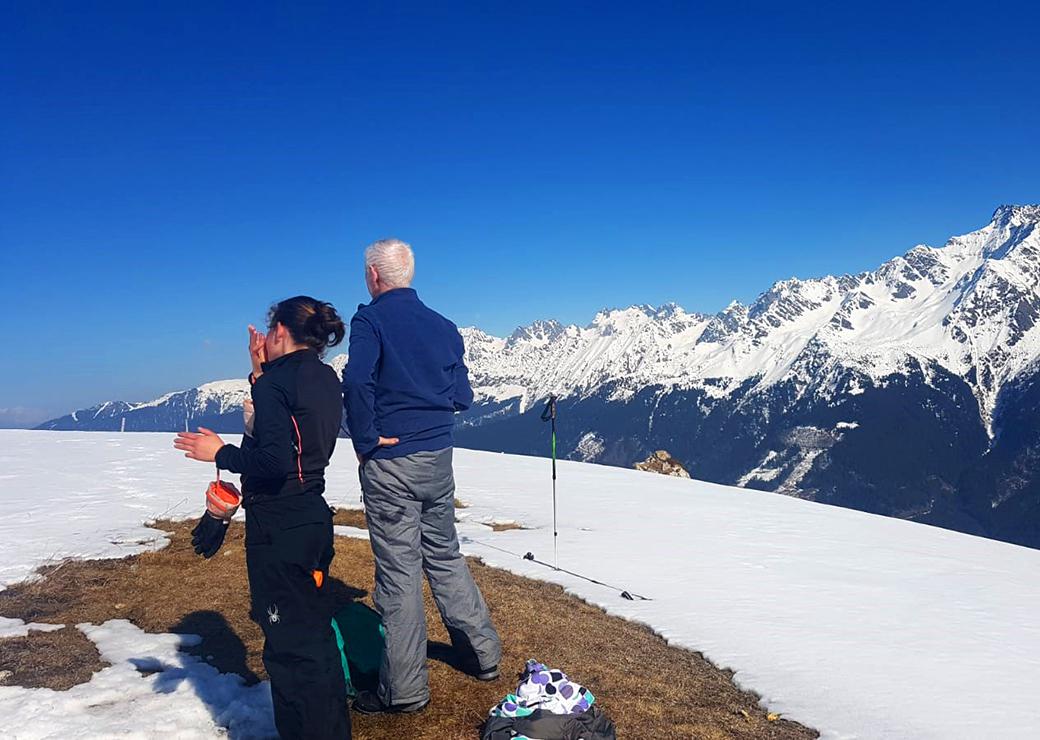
{"x": 858, "y": 625}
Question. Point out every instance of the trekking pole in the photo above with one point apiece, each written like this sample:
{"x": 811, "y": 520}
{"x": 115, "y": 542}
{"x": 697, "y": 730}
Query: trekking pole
{"x": 549, "y": 414}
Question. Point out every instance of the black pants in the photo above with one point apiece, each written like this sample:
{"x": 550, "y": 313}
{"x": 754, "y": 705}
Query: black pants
{"x": 283, "y": 550}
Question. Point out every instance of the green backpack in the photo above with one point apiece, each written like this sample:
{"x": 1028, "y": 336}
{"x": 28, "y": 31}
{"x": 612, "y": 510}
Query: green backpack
{"x": 359, "y": 637}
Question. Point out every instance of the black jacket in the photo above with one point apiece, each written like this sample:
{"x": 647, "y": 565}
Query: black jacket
{"x": 297, "y": 404}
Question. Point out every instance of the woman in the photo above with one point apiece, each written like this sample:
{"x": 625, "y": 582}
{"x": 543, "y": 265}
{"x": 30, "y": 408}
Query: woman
{"x": 296, "y": 401}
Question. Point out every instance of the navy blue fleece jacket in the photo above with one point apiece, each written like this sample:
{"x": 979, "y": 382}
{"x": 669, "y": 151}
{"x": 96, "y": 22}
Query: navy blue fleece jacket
{"x": 405, "y": 377}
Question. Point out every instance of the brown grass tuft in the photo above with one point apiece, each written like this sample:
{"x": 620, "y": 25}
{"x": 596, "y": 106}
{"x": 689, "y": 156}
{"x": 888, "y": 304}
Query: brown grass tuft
{"x": 350, "y": 518}
{"x": 55, "y": 660}
{"x": 650, "y": 689}
{"x": 504, "y": 526}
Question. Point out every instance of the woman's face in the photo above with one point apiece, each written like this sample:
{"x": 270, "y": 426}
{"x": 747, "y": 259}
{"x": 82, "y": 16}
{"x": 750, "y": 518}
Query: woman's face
{"x": 275, "y": 342}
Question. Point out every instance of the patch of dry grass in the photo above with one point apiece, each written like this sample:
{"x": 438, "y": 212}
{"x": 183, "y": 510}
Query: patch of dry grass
{"x": 55, "y": 660}
{"x": 350, "y": 518}
{"x": 650, "y": 689}
{"x": 504, "y": 526}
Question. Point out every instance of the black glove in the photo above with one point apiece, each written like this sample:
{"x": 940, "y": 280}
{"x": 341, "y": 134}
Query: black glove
{"x": 208, "y": 535}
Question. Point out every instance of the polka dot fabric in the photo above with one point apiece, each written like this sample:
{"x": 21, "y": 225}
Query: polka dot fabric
{"x": 546, "y": 689}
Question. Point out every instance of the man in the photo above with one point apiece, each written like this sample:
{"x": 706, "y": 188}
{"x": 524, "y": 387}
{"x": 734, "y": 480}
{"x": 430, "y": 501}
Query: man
{"x": 402, "y": 385}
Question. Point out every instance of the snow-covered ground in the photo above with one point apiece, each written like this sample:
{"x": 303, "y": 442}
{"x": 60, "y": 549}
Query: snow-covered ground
{"x": 860, "y": 626}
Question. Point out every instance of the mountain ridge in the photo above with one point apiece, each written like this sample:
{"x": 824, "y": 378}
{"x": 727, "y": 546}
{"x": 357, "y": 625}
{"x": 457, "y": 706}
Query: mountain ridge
{"x": 796, "y": 392}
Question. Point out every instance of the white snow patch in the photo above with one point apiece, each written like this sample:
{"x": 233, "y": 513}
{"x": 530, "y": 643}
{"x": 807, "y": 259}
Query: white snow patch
{"x": 342, "y": 530}
{"x": 801, "y": 468}
{"x": 504, "y": 392}
{"x": 763, "y": 472}
{"x": 590, "y": 447}
{"x": 760, "y": 473}
{"x": 17, "y": 628}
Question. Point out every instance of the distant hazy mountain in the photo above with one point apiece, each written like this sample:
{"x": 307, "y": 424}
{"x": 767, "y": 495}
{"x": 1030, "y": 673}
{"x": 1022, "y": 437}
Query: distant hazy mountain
{"x": 909, "y": 390}
{"x": 216, "y": 405}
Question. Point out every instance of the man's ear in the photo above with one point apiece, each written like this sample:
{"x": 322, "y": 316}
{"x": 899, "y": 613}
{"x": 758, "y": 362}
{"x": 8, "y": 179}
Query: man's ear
{"x": 373, "y": 275}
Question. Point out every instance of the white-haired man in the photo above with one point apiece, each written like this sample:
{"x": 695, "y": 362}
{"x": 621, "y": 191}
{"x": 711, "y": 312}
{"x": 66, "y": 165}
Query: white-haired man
{"x": 402, "y": 385}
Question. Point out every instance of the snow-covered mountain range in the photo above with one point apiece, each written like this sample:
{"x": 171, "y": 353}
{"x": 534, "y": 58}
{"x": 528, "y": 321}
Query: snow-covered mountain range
{"x": 905, "y": 391}
{"x": 968, "y": 307}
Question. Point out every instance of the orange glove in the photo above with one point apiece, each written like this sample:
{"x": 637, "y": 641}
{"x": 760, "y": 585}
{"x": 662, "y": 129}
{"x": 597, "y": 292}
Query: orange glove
{"x": 222, "y": 500}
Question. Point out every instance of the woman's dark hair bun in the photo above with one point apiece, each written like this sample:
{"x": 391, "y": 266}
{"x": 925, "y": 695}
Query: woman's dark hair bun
{"x": 310, "y": 321}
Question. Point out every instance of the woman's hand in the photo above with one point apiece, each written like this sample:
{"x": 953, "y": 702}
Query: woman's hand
{"x": 257, "y": 351}
{"x": 248, "y": 414}
{"x": 202, "y": 446}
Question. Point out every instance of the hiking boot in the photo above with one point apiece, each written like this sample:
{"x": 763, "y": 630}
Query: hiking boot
{"x": 368, "y": 702}
{"x": 489, "y": 674}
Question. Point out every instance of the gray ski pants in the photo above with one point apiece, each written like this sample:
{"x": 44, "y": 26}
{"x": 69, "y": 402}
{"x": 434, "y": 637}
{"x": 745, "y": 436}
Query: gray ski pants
{"x": 410, "y": 508}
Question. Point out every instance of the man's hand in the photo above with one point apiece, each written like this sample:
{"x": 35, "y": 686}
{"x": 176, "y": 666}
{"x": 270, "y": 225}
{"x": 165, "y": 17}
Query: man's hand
{"x": 383, "y": 442}
{"x": 257, "y": 350}
{"x": 202, "y": 446}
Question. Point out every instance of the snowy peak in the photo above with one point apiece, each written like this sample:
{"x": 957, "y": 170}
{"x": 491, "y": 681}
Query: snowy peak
{"x": 1007, "y": 216}
{"x": 789, "y": 301}
{"x": 540, "y": 332}
{"x": 630, "y": 346}
{"x": 669, "y": 317}
{"x": 725, "y": 323}
{"x": 338, "y": 363}
{"x": 1009, "y": 227}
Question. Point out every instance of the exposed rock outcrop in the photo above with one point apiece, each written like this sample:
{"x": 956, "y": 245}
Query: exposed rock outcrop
{"x": 663, "y": 463}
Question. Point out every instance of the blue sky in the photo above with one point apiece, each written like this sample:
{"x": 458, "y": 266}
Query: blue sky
{"x": 169, "y": 169}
